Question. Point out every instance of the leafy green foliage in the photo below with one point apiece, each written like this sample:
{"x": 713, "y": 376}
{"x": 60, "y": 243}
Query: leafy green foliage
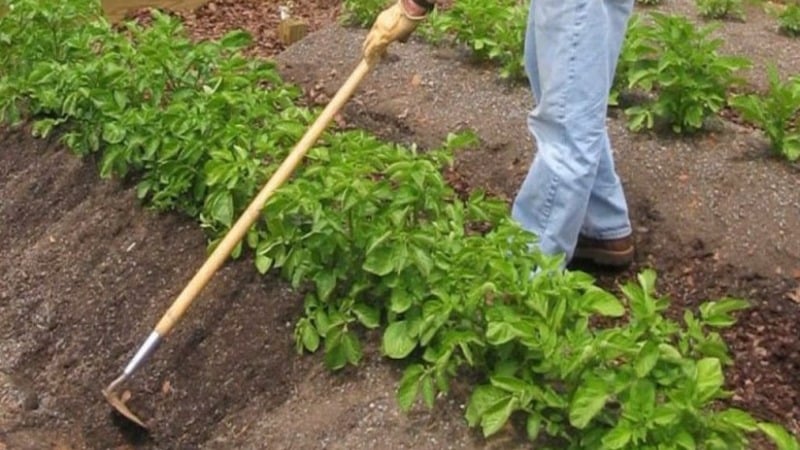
{"x": 779, "y": 436}
{"x": 648, "y": 2}
{"x": 65, "y": 27}
{"x": 683, "y": 72}
{"x": 777, "y": 113}
{"x": 188, "y": 118}
{"x": 636, "y": 385}
{"x": 452, "y": 301}
{"x": 720, "y": 9}
{"x": 789, "y": 19}
{"x": 637, "y": 53}
{"x": 494, "y": 31}
{"x": 377, "y": 240}
{"x": 362, "y": 12}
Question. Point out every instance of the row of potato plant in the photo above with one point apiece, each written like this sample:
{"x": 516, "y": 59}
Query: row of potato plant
{"x": 376, "y": 239}
{"x": 186, "y": 119}
{"x": 789, "y": 19}
{"x": 677, "y": 70}
{"x": 670, "y": 72}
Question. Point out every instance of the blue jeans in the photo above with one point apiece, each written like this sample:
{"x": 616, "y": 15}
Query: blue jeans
{"x": 572, "y": 188}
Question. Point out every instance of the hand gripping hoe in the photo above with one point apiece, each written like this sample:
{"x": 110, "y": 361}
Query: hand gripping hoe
{"x": 229, "y": 242}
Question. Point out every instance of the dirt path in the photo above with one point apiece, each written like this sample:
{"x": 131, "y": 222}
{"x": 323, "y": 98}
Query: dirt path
{"x": 86, "y": 272}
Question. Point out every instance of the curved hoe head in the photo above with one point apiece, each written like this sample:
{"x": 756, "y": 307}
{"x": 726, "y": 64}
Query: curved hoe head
{"x": 120, "y": 406}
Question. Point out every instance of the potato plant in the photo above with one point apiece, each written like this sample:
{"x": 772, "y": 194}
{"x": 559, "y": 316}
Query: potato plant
{"x": 720, "y": 9}
{"x": 777, "y": 113}
{"x": 681, "y": 71}
{"x": 494, "y": 31}
{"x": 362, "y": 12}
{"x": 789, "y": 19}
{"x": 376, "y": 239}
{"x": 637, "y": 53}
{"x": 185, "y": 118}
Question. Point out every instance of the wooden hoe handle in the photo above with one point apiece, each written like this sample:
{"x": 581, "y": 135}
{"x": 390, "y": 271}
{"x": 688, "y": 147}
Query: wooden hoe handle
{"x": 253, "y": 211}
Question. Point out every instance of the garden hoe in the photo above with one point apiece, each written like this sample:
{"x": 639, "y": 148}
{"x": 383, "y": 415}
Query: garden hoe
{"x": 229, "y": 242}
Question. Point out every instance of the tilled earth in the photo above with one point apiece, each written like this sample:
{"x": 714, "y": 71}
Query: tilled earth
{"x": 87, "y": 272}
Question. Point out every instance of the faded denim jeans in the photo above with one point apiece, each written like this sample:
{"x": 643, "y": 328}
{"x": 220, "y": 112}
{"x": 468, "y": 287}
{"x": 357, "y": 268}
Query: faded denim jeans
{"x": 571, "y": 52}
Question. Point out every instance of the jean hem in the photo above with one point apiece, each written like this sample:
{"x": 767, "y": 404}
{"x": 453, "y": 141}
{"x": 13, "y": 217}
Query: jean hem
{"x": 605, "y": 235}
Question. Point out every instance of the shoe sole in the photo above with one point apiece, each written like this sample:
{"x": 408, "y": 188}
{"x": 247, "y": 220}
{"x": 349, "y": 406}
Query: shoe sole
{"x": 608, "y": 258}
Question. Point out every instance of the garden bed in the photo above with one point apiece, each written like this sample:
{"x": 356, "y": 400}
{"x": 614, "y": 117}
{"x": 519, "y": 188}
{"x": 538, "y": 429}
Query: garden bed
{"x": 87, "y": 272}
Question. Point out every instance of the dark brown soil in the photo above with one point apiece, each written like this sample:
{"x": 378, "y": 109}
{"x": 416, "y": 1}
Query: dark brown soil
{"x": 87, "y": 271}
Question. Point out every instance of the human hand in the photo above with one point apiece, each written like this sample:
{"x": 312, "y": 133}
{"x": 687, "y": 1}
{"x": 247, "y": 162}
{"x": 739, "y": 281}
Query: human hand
{"x": 396, "y": 23}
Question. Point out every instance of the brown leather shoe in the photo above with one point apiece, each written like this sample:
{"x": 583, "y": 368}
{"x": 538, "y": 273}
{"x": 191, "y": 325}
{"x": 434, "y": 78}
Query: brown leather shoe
{"x": 611, "y": 252}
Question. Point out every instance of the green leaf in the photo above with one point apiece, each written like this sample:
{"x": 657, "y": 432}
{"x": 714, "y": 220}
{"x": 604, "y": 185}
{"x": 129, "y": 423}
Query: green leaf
{"x": 222, "y": 208}
{"x": 367, "y": 315}
{"x": 717, "y": 314}
{"x": 497, "y": 415}
{"x": 237, "y": 250}
{"x": 553, "y": 399}
{"x": 236, "y": 39}
{"x": 641, "y": 401}
{"x": 647, "y": 279}
{"x": 428, "y": 392}
{"x": 509, "y": 384}
{"x": 481, "y": 399}
{"x": 779, "y": 436}
{"x": 709, "y": 379}
{"x": 665, "y": 415}
{"x": 738, "y": 419}
{"x": 618, "y": 437}
{"x": 325, "y": 281}
{"x": 498, "y": 333}
{"x": 532, "y": 426}
{"x": 335, "y": 352}
{"x": 252, "y": 238}
{"x": 791, "y": 147}
{"x": 121, "y": 99}
{"x": 322, "y": 321}
{"x": 352, "y": 348}
{"x": 377, "y": 242}
{"x": 637, "y": 299}
{"x": 669, "y": 353}
{"x": 400, "y": 300}
{"x": 113, "y": 133}
{"x": 409, "y": 386}
{"x": 43, "y": 127}
{"x": 588, "y": 401}
{"x": 263, "y": 263}
{"x": 604, "y": 303}
{"x": 310, "y": 337}
{"x": 379, "y": 261}
{"x": 685, "y": 440}
{"x": 423, "y": 260}
{"x": 461, "y": 140}
{"x": 646, "y": 359}
{"x": 398, "y": 341}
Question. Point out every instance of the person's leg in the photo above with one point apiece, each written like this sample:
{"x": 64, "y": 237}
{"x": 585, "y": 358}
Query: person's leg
{"x": 607, "y": 212}
{"x": 567, "y": 58}
{"x": 531, "y": 61}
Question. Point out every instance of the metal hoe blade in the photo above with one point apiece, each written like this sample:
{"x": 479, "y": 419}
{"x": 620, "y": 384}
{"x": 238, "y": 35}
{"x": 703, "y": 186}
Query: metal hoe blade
{"x": 142, "y": 354}
{"x": 120, "y": 405}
